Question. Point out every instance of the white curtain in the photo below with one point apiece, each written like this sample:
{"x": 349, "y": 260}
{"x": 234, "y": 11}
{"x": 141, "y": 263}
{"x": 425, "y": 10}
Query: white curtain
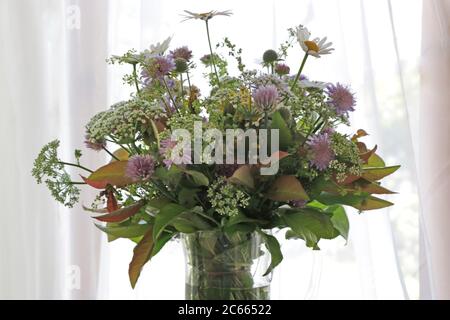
{"x": 56, "y": 78}
{"x": 53, "y": 80}
{"x": 434, "y": 150}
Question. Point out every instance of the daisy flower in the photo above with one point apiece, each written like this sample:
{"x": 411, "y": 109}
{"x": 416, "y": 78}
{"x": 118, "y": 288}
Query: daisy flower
{"x": 205, "y": 16}
{"x": 315, "y": 47}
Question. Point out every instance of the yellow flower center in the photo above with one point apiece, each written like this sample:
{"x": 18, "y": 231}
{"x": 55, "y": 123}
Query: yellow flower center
{"x": 312, "y": 46}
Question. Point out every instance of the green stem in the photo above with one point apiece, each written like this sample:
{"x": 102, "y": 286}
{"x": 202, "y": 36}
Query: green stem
{"x": 120, "y": 145}
{"x": 136, "y": 80}
{"x": 181, "y": 86}
{"x": 300, "y": 70}
{"x": 213, "y": 58}
{"x": 111, "y": 154}
{"x": 266, "y": 119}
{"x": 312, "y": 129}
{"x": 189, "y": 81}
{"x": 75, "y": 165}
{"x": 77, "y": 183}
{"x": 164, "y": 191}
{"x": 170, "y": 94}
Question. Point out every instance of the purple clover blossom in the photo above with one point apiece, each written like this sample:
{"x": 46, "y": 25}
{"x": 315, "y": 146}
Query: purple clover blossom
{"x": 320, "y": 150}
{"x": 266, "y": 96}
{"x": 166, "y": 150}
{"x": 282, "y": 69}
{"x": 182, "y": 52}
{"x": 341, "y": 98}
{"x": 140, "y": 168}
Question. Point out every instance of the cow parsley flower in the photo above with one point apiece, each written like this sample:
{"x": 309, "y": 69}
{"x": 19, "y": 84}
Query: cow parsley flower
{"x": 226, "y": 198}
{"x": 123, "y": 120}
{"x": 49, "y": 169}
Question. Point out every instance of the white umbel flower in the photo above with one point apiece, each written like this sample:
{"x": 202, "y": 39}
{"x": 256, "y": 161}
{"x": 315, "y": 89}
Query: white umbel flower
{"x": 205, "y": 16}
{"x": 316, "y": 47}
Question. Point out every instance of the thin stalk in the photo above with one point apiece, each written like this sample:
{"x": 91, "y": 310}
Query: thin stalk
{"x": 135, "y": 79}
{"x": 170, "y": 94}
{"x": 300, "y": 70}
{"x": 189, "y": 81}
{"x": 182, "y": 86}
{"x": 75, "y": 165}
{"x": 213, "y": 59}
{"x": 111, "y": 154}
{"x": 164, "y": 191}
{"x": 312, "y": 130}
{"x": 120, "y": 145}
{"x": 77, "y": 183}
{"x": 266, "y": 119}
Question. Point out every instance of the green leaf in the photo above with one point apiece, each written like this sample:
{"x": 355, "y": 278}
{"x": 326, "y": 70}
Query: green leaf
{"x": 240, "y": 218}
{"x": 311, "y": 225}
{"x": 286, "y": 139}
{"x": 273, "y": 246}
{"x": 339, "y": 220}
{"x": 243, "y": 176}
{"x": 113, "y": 174}
{"x": 375, "y": 174}
{"x": 131, "y": 231}
{"x": 367, "y": 186}
{"x": 186, "y": 197}
{"x": 121, "y": 214}
{"x": 198, "y": 178}
{"x": 375, "y": 161}
{"x": 287, "y": 188}
{"x": 165, "y": 216}
{"x": 360, "y": 202}
{"x": 158, "y": 203}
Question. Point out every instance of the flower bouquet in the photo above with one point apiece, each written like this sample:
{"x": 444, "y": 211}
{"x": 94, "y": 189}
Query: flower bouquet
{"x": 260, "y": 151}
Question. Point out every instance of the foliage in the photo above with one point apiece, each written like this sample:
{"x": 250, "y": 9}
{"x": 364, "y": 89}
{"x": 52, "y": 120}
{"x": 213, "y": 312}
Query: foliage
{"x": 320, "y": 170}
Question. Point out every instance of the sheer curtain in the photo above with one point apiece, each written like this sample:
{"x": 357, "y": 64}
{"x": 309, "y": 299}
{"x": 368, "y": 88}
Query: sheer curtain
{"x": 53, "y": 79}
{"x": 434, "y": 150}
{"x": 56, "y": 78}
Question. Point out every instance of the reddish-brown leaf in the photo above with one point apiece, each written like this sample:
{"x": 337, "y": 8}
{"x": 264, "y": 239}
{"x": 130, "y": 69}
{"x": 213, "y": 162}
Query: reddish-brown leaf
{"x": 287, "y": 188}
{"x": 122, "y": 214}
{"x": 141, "y": 254}
{"x": 111, "y": 174}
{"x": 111, "y": 201}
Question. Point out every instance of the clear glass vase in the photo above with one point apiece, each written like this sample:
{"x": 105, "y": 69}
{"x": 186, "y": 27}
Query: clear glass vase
{"x": 222, "y": 266}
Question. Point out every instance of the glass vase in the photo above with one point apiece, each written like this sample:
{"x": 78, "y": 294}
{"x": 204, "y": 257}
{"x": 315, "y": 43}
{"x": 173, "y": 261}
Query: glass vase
{"x": 222, "y": 266}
